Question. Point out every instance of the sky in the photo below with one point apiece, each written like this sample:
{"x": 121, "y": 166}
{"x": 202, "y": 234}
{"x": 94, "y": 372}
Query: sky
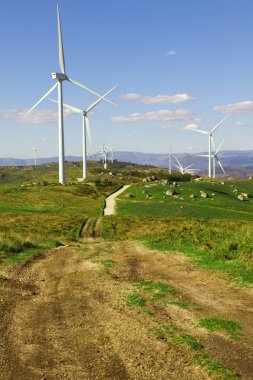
{"x": 179, "y": 66}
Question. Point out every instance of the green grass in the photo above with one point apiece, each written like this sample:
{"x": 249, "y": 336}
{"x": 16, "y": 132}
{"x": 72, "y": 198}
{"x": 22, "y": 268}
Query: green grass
{"x": 177, "y": 335}
{"x": 149, "y": 294}
{"x": 155, "y": 290}
{"x": 222, "y": 202}
{"x": 107, "y": 264}
{"x": 36, "y": 212}
{"x": 231, "y": 328}
{"x": 215, "y": 244}
{"x": 182, "y": 305}
{"x": 135, "y": 299}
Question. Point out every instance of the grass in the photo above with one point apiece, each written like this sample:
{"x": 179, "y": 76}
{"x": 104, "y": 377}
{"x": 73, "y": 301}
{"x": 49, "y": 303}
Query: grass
{"x": 155, "y": 290}
{"x": 37, "y": 213}
{"x": 222, "y": 202}
{"x": 149, "y": 294}
{"x": 107, "y": 264}
{"x": 231, "y": 328}
{"x": 179, "y": 336}
{"x": 215, "y": 244}
{"x": 182, "y": 305}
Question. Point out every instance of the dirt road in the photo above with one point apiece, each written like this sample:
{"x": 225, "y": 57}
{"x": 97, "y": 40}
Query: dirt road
{"x": 73, "y": 313}
{"x": 110, "y": 201}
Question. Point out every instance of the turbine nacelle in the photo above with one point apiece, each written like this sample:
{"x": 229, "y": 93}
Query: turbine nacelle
{"x": 59, "y": 76}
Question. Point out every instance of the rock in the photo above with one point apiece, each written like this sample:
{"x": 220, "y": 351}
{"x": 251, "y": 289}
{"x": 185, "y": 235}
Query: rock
{"x": 192, "y": 196}
{"x": 245, "y": 195}
{"x": 129, "y": 195}
{"x": 170, "y": 192}
{"x": 250, "y": 177}
{"x": 241, "y": 197}
{"x": 203, "y": 194}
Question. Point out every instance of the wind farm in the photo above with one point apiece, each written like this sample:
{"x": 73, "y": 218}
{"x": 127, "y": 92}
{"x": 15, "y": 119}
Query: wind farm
{"x": 126, "y": 238}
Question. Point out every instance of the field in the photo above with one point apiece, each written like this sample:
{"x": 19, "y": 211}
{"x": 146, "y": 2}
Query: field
{"x": 164, "y": 292}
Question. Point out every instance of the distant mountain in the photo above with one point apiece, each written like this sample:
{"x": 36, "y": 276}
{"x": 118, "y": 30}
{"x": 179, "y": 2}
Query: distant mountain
{"x": 236, "y": 163}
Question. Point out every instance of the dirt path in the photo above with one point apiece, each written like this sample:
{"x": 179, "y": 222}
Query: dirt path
{"x": 70, "y": 314}
{"x": 110, "y": 201}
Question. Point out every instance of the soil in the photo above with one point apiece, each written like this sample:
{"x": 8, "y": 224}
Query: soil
{"x": 64, "y": 315}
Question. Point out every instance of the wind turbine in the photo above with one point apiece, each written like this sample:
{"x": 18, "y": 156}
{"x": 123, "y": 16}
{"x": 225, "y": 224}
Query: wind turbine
{"x": 104, "y": 154}
{"x": 61, "y": 77}
{"x": 215, "y": 157}
{"x": 184, "y": 170}
{"x": 35, "y": 155}
{"x": 210, "y": 135}
{"x": 86, "y": 125}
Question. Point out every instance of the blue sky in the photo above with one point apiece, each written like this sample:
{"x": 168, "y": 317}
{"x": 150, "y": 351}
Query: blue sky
{"x": 179, "y": 65}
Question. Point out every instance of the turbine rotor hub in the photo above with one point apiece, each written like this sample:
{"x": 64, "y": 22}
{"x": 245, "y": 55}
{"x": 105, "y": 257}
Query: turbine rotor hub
{"x": 59, "y": 76}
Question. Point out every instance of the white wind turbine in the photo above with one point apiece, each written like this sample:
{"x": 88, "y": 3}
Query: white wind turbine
{"x": 61, "y": 77}
{"x": 105, "y": 155}
{"x": 35, "y": 155}
{"x": 210, "y": 135}
{"x": 215, "y": 157}
{"x": 184, "y": 170}
{"x": 86, "y": 125}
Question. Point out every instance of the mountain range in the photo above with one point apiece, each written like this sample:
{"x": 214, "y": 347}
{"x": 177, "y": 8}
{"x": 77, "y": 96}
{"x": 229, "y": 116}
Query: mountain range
{"x": 236, "y": 163}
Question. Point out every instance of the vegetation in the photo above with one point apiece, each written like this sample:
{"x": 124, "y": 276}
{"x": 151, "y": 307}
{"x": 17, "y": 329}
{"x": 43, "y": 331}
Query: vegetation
{"x": 38, "y": 213}
{"x": 161, "y": 199}
{"x": 231, "y": 328}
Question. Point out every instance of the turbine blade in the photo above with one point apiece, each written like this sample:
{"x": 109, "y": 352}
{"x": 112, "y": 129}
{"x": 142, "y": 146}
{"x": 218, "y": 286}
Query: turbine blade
{"x": 87, "y": 89}
{"x": 217, "y": 151}
{"x": 220, "y": 165}
{"x": 99, "y": 100}
{"x": 60, "y": 42}
{"x": 201, "y": 131}
{"x": 74, "y": 109}
{"x": 217, "y": 125}
{"x": 178, "y": 163}
{"x": 176, "y": 166}
{"x": 87, "y": 124}
{"x": 43, "y": 97}
{"x": 187, "y": 167}
{"x": 202, "y": 155}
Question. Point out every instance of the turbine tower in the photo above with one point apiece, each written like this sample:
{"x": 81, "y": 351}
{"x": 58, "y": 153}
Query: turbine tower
{"x": 210, "y": 136}
{"x": 61, "y": 77}
{"x": 35, "y": 155}
{"x": 86, "y": 125}
{"x": 215, "y": 157}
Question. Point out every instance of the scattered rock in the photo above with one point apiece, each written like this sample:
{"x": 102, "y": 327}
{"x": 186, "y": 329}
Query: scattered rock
{"x": 192, "y": 196}
{"x": 129, "y": 195}
{"x": 171, "y": 192}
{"x": 203, "y": 194}
{"x": 241, "y": 197}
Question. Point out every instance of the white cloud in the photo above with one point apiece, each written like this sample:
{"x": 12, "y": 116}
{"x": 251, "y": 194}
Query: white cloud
{"x": 240, "y": 107}
{"x": 42, "y": 116}
{"x": 242, "y": 124}
{"x": 157, "y": 99}
{"x": 160, "y": 115}
{"x": 171, "y": 52}
{"x": 190, "y": 127}
{"x": 131, "y": 96}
